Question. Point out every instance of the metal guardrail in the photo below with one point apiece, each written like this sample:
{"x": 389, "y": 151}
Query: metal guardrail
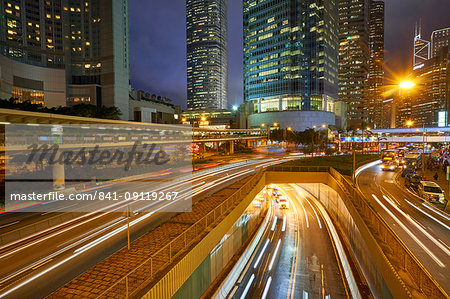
{"x": 147, "y": 270}
{"x": 385, "y": 236}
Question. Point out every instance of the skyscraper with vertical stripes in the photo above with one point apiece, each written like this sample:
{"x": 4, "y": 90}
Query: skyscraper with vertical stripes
{"x": 290, "y": 62}
{"x": 207, "y": 54}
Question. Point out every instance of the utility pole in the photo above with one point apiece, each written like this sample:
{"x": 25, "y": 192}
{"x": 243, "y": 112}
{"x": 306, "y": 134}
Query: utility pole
{"x": 128, "y": 225}
{"x": 423, "y": 150}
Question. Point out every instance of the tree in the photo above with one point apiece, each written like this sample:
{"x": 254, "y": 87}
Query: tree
{"x": 83, "y": 110}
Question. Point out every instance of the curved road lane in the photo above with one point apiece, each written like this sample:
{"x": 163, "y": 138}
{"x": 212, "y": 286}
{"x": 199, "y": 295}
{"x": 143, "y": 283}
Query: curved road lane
{"x": 295, "y": 257}
{"x": 423, "y": 229}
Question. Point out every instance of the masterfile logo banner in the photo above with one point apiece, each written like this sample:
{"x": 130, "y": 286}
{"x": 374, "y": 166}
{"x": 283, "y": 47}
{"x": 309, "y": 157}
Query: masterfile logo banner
{"x": 98, "y": 168}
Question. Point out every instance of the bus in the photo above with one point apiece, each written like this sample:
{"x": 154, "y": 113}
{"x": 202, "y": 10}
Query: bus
{"x": 402, "y": 152}
{"x": 389, "y": 155}
{"x": 412, "y": 160}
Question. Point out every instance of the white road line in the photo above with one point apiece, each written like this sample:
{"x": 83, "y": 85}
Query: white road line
{"x": 261, "y": 254}
{"x": 247, "y": 287}
{"x": 304, "y": 211}
{"x": 274, "y": 223}
{"x": 312, "y": 207}
{"x": 274, "y": 255}
{"x": 266, "y": 289}
{"x": 283, "y": 228}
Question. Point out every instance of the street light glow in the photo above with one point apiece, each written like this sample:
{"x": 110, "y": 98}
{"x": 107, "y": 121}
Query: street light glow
{"x": 324, "y": 126}
{"x": 235, "y": 108}
{"x": 407, "y": 84}
{"x": 275, "y": 124}
{"x": 203, "y": 118}
{"x": 409, "y": 123}
{"x": 263, "y": 125}
{"x": 289, "y": 128}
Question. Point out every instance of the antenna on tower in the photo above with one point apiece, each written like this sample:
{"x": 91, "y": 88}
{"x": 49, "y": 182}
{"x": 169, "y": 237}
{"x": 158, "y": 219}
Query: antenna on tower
{"x": 420, "y": 27}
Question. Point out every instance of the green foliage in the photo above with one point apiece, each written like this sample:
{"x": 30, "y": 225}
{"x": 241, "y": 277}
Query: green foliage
{"x": 83, "y": 110}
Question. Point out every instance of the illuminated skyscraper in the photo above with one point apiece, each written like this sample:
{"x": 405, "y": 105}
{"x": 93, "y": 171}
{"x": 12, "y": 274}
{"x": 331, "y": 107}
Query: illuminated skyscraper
{"x": 207, "y": 54}
{"x": 376, "y": 62}
{"x": 354, "y": 59}
{"x": 439, "y": 39}
{"x": 65, "y": 52}
{"x": 421, "y": 49}
{"x": 290, "y": 62}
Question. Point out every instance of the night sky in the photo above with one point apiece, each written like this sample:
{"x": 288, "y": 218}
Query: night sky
{"x": 158, "y": 42}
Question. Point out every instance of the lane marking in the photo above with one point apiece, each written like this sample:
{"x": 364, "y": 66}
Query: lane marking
{"x": 283, "y": 228}
{"x": 304, "y": 210}
{"x": 266, "y": 289}
{"x": 274, "y": 254}
{"x": 261, "y": 254}
{"x": 247, "y": 287}
{"x": 274, "y": 223}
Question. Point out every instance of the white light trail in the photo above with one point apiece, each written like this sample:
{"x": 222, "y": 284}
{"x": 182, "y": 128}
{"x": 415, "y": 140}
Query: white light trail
{"x": 261, "y": 254}
{"x": 274, "y": 255}
{"x": 274, "y": 223}
{"x": 436, "y": 242}
{"x": 266, "y": 289}
{"x": 428, "y": 251}
{"x": 247, "y": 287}
{"x": 437, "y": 220}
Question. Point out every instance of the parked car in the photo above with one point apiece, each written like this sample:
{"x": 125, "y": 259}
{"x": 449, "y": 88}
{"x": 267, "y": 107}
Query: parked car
{"x": 431, "y": 191}
{"x": 408, "y": 171}
{"x": 413, "y": 181}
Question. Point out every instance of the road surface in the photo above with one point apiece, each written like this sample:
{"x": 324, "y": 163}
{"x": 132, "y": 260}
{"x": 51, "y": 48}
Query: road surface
{"x": 36, "y": 266}
{"x": 424, "y": 229}
{"x": 295, "y": 256}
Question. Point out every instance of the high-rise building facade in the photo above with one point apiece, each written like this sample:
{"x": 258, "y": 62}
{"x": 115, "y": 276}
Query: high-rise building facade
{"x": 421, "y": 48}
{"x": 207, "y": 54}
{"x": 376, "y": 63}
{"x": 290, "y": 62}
{"x": 64, "y": 52}
{"x": 439, "y": 38}
{"x": 428, "y": 103}
{"x": 354, "y": 59}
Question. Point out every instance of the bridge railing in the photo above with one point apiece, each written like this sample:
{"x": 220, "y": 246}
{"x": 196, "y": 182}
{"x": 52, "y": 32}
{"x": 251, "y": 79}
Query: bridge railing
{"x": 398, "y": 254}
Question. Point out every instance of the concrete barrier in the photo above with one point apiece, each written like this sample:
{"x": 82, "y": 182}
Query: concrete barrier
{"x": 29, "y": 231}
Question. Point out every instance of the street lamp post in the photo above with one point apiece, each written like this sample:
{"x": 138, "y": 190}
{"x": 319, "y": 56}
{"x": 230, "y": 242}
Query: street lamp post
{"x": 423, "y": 149}
{"x": 312, "y": 139}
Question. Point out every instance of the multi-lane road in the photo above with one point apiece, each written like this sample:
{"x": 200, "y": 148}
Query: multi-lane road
{"x": 424, "y": 229}
{"x": 36, "y": 266}
{"x": 296, "y": 256}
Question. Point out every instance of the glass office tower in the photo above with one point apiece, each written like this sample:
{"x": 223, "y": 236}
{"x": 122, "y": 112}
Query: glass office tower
{"x": 290, "y": 62}
{"x": 207, "y": 54}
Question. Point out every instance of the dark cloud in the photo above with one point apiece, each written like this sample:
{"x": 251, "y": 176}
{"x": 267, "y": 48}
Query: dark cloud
{"x": 158, "y": 42}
